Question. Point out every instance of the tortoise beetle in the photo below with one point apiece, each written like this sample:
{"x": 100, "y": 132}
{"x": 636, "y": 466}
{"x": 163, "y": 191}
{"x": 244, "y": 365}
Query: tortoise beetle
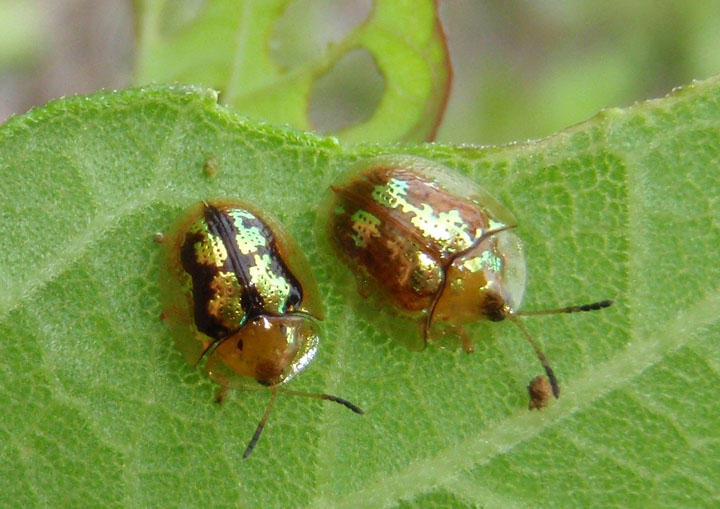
{"x": 239, "y": 293}
{"x": 438, "y": 247}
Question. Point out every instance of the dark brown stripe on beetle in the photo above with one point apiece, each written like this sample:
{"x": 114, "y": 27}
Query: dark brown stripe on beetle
{"x": 223, "y": 226}
{"x": 202, "y": 277}
{"x": 220, "y": 225}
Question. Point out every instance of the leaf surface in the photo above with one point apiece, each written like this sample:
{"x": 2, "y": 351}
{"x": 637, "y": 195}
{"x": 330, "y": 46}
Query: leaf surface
{"x": 100, "y": 409}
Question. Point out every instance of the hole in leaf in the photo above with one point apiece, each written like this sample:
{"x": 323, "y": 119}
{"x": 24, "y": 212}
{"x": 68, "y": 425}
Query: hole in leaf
{"x": 177, "y": 14}
{"x": 306, "y": 28}
{"x": 347, "y": 94}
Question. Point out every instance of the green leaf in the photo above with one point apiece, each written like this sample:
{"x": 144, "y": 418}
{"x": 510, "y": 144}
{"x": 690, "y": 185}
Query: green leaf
{"x": 100, "y": 409}
{"x": 249, "y": 51}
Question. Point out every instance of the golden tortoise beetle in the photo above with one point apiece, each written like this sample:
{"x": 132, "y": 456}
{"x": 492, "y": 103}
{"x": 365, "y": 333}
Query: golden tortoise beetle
{"x": 437, "y": 246}
{"x": 238, "y": 292}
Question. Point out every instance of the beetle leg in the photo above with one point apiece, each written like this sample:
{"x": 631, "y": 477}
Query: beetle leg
{"x": 459, "y": 330}
{"x": 220, "y": 396}
{"x": 467, "y": 341}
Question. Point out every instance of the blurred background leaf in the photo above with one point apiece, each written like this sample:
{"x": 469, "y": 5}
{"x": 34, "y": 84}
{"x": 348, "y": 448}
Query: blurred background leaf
{"x": 522, "y": 70}
{"x": 293, "y": 62}
{"x": 526, "y": 69}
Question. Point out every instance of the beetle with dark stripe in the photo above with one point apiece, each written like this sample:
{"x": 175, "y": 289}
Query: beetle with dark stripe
{"x": 239, "y": 294}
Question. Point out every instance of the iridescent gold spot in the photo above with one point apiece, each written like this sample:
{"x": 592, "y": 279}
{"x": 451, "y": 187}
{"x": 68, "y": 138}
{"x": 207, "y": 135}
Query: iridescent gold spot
{"x": 248, "y": 240}
{"x": 486, "y": 260}
{"x": 492, "y": 261}
{"x": 274, "y": 289}
{"x": 495, "y": 225}
{"x": 211, "y": 251}
{"x": 446, "y": 227}
{"x": 226, "y": 304}
{"x": 199, "y": 227}
{"x": 427, "y": 275}
{"x": 474, "y": 264}
{"x": 391, "y": 194}
{"x": 242, "y": 214}
{"x": 365, "y": 227}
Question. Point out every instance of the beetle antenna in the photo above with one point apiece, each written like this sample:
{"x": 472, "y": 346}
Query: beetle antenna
{"x": 327, "y": 397}
{"x": 274, "y": 391}
{"x": 595, "y": 306}
{"x": 261, "y": 425}
{"x": 540, "y": 355}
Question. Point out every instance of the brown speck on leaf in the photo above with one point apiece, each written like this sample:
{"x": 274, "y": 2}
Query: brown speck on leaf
{"x": 211, "y": 166}
{"x": 540, "y": 392}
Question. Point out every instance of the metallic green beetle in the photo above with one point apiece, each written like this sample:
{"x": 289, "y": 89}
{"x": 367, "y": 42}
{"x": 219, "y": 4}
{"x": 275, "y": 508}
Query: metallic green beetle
{"x": 238, "y": 292}
{"x": 436, "y": 245}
